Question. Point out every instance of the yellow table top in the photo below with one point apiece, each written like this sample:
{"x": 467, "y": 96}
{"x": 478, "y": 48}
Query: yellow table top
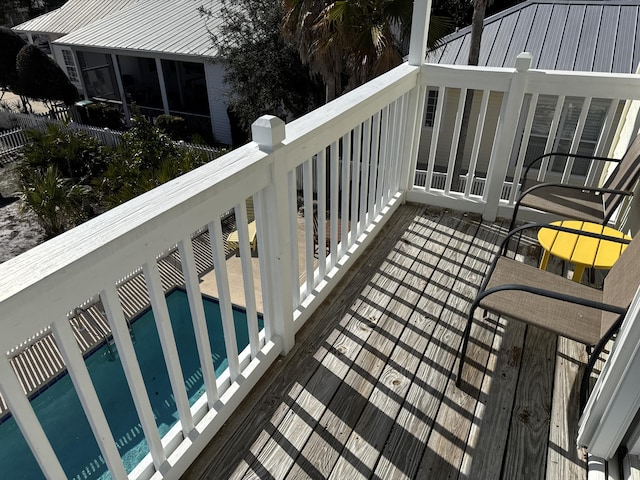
{"x": 580, "y": 249}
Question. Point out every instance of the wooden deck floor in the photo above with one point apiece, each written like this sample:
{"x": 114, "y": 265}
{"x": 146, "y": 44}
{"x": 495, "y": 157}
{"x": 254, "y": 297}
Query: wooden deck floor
{"x": 369, "y": 390}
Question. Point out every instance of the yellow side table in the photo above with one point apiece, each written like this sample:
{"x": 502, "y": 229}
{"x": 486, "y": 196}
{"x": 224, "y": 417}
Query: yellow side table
{"x": 581, "y": 250}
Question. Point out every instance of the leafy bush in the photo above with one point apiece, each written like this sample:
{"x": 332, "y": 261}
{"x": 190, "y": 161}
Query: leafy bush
{"x": 67, "y": 177}
{"x": 172, "y": 125}
{"x": 104, "y": 115}
{"x": 76, "y": 155}
{"x": 145, "y": 158}
{"x": 56, "y": 202}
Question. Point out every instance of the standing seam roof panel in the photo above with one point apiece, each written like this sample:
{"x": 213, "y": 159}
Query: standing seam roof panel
{"x": 603, "y": 59}
{"x": 588, "y": 40}
{"x": 588, "y": 43}
{"x": 571, "y": 37}
{"x": 160, "y": 26}
{"x": 486, "y": 46}
{"x": 500, "y": 46}
{"x": 539, "y": 28}
{"x": 520, "y": 35}
{"x": 623, "y": 53}
{"x": 553, "y": 40}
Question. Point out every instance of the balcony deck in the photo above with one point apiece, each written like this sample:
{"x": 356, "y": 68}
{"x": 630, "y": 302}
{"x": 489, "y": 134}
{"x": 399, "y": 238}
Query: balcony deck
{"x": 369, "y": 389}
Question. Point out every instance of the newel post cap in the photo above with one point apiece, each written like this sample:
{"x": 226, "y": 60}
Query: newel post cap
{"x": 523, "y": 61}
{"x": 268, "y": 132}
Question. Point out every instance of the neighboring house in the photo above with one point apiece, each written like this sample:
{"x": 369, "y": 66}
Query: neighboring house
{"x": 156, "y": 53}
{"x": 574, "y": 35}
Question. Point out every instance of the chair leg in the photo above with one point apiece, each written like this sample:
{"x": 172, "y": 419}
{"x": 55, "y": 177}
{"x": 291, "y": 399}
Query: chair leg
{"x": 465, "y": 343}
{"x": 512, "y": 225}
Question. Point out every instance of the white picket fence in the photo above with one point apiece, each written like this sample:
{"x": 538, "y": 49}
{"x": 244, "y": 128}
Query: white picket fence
{"x": 14, "y": 139}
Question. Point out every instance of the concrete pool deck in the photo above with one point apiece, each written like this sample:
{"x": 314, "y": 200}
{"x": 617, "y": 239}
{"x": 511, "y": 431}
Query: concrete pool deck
{"x": 208, "y": 284}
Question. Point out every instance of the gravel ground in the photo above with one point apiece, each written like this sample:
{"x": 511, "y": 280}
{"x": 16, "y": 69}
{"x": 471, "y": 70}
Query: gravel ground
{"x": 19, "y": 229}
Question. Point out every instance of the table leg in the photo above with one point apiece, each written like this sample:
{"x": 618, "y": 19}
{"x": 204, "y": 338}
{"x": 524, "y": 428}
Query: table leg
{"x": 545, "y": 260}
{"x": 577, "y": 272}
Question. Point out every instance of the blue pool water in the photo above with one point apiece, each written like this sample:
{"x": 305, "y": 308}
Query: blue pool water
{"x": 58, "y": 407}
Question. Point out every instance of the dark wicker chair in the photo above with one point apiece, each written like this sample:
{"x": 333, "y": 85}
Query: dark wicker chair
{"x": 580, "y": 202}
{"x": 552, "y": 302}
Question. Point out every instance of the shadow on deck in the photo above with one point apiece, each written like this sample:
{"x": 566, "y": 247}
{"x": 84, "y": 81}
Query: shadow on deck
{"x": 369, "y": 390}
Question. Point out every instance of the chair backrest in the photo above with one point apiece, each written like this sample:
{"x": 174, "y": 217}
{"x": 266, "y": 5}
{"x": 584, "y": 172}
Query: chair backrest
{"x": 622, "y": 281}
{"x": 623, "y": 177}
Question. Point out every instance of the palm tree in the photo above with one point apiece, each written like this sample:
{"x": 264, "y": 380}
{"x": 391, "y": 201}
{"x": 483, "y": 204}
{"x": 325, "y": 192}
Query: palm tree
{"x": 324, "y": 56}
{"x": 358, "y": 38}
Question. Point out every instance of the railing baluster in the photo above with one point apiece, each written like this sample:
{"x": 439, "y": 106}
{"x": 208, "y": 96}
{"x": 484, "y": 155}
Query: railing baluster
{"x": 551, "y": 138}
{"x": 382, "y": 180}
{"x": 247, "y": 277}
{"x": 224, "y": 297}
{"x": 260, "y": 208}
{"x": 526, "y": 134}
{"x": 131, "y": 367}
{"x": 194, "y": 296}
{"x": 399, "y": 159}
{"x": 81, "y": 379}
{"x": 307, "y": 173}
{"x": 344, "y": 194}
{"x": 356, "y": 185}
{"x": 168, "y": 344}
{"x": 453, "y": 152}
{"x": 365, "y": 217}
{"x": 373, "y": 167}
{"x": 596, "y": 168}
{"x": 334, "y": 204}
{"x": 293, "y": 238}
{"x": 28, "y": 422}
{"x": 321, "y": 175}
{"x": 577, "y": 136}
{"x": 435, "y": 136}
{"x": 473, "y": 162}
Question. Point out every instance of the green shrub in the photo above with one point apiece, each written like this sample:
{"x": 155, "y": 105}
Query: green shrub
{"x": 104, "y": 115}
{"x": 174, "y": 126}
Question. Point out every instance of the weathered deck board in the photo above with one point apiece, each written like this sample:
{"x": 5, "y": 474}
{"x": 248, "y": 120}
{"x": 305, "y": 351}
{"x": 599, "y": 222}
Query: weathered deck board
{"x": 341, "y": 414}
{"x": 445, "y": 447}
{"x": 369, "y": 392}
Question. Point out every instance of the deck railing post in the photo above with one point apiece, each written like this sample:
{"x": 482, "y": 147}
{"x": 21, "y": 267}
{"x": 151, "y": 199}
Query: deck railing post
{"x": 419, "y": 32}
{"x": 505, "y": 137}
{"x": 269, "y": 132}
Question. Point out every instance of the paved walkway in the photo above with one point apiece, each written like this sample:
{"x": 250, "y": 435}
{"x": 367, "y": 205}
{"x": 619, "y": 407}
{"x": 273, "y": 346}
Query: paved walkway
{"x": 13, "y": 100}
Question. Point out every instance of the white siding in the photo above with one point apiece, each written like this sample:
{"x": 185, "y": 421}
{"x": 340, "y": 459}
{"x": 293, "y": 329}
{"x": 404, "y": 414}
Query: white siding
{"x": 217, "y": 92}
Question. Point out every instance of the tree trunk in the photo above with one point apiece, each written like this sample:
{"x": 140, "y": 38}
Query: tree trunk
{"x": 477, "y": 24}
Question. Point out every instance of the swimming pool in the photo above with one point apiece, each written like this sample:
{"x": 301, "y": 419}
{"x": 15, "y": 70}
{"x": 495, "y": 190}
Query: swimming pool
{"x": 58, "y": 407}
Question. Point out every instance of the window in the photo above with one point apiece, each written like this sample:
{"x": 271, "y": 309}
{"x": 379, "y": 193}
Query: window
{"x": 430, "y": 108}
{"x": 72, "y": 72}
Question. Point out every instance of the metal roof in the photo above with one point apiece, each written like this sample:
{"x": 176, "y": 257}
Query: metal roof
{"x": 73, "y": 15}
{"x": 577, "y": 35}
{"x": 172, "y": 27}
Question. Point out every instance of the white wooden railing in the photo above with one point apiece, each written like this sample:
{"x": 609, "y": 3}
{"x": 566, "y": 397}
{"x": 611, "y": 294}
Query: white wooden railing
{"x": 501, "y": 129}
{"x": 352, "y": 161}
{"x": 359, "y": 148}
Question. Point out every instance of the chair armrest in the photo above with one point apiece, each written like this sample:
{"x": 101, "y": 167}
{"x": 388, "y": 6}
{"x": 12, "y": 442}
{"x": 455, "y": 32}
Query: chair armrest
{"x": 549, "y": 294}
{"x": 562, "y": 154}
{"x": 574, "y": 187}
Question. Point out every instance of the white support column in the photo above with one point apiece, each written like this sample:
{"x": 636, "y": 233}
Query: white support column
{"x": 505, "y": 136}
{"x": 163, "y": 87}
{"x": 123, "y": 97}
{"x": 419, "y": 31}
{"x": 269, "y": 132}
{"x": 79, "y": 67}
